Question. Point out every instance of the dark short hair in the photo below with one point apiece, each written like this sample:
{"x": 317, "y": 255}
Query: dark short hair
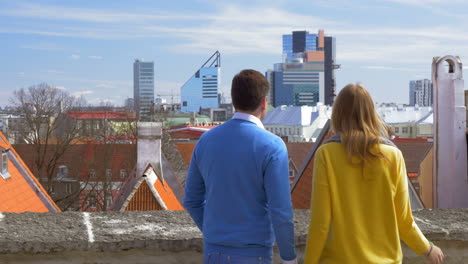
{"x": 248, "y": 89}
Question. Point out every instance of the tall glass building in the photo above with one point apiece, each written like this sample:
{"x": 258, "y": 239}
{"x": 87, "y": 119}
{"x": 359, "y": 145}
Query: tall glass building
{"x": 201, "y": 90}
{"x": 143, "y": 88}
{"x": 306, "y": 75}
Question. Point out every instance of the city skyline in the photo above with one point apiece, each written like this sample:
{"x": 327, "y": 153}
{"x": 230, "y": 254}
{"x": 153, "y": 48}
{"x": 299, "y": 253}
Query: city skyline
{"x": 87, "y": 47}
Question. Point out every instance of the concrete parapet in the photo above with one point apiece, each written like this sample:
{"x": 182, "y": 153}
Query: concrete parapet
{"x": 169, "y": 236}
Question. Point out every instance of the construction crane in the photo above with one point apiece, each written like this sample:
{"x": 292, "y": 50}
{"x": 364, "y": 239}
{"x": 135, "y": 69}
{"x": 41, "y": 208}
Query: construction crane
{"x": 167, "y": 95}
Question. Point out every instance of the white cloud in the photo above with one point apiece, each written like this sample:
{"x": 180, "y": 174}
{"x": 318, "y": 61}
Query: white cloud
{"x": 95, "y": 57}
{"x": 465, "y": 67}
{"x": 81, "y": 93}
{"x": 426, "y": 2}
{"x": 103, "y": 85}
{"x": 47, "y": 46}
{"x": 389, "y": 68}
{"x": 53, "y": 71}
{"x": 89, "y": 15}
{"x": 75, "y": 57}
{"x": 60, "y": 87}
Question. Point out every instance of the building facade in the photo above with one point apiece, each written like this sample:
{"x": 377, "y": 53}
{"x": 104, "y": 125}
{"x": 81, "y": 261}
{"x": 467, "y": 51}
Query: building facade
{"x": 306, "y": 75}
{"x": 297, "y": 123}
{"x": 420, "y": 92}
{"x": 143, "y": 88}
{"x": 202, "y": 89}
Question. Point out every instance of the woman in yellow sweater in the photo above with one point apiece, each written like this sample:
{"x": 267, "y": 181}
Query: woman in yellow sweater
{"x": 360, "y": 207}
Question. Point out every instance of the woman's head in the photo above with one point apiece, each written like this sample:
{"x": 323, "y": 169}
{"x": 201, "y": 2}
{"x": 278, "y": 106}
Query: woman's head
{"x": 355, "y": 118}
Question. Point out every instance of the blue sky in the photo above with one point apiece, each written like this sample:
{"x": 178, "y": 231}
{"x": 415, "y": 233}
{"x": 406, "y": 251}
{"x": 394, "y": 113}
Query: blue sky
{"x": 88, "y": 47}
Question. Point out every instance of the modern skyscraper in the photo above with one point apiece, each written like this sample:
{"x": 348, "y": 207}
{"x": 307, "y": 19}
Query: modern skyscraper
{"x": 306, "y": 75}
{"x": 201, "y": 90}
{"x": 143, "y": 88}
{"x": 420, "y": 92}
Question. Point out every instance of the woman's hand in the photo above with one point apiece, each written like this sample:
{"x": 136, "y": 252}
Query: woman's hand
{"x": 435, "y": 255}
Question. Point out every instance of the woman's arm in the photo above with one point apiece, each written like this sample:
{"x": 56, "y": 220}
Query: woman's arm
{"x": 320, "y": 211}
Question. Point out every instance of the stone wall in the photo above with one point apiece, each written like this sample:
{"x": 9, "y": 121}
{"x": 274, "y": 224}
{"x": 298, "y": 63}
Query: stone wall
{"x": 168, "y": 237}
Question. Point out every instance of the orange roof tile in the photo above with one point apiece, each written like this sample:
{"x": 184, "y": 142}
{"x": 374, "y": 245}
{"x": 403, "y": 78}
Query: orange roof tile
{"x": 136, "y": 196}
{"x": 186, "y": 149}
{"x": 167, "y": 195}
{"x": 22, "y": 192}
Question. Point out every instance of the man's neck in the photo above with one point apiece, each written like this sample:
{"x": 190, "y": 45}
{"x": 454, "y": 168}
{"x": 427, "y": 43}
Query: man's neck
{"x": 256, "y": 114}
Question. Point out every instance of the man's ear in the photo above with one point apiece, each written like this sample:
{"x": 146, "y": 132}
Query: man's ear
{"x": 264, "y": 103}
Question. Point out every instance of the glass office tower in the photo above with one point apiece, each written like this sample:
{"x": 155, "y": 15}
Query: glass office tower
{"x": 143, "y": 88}
{"x": 201, "y": 90}
{"x": 306, "y": 75}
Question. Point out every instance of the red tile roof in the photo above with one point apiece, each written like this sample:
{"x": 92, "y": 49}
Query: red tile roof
{"x": 22, "y": 192}
{"x": 414, "y": 153}
{"x": 102, "y": 115}
{"x": 81, "y": 158}
{"x": 298, "y": 151}
{"x": 302, "y": 186}
{"x": 185, "y": 149}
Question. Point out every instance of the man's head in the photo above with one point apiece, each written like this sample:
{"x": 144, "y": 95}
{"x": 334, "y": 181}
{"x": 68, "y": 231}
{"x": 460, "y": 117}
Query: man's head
{"x": 249, "y": 90}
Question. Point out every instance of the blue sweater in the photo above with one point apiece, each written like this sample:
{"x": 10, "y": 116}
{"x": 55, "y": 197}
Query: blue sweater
{"x": 237, "y": 191}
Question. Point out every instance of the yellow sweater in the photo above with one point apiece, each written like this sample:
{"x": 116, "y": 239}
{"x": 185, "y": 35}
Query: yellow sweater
{"x": 359, "y": 213}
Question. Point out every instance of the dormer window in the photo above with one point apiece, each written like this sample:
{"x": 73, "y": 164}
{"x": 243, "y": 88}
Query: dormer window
{"x": 62, "y": 171}
{"x": 4, "y": 164}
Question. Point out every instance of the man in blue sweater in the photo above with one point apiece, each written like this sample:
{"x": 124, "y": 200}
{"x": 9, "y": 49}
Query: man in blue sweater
{"x": 237, "y": 188}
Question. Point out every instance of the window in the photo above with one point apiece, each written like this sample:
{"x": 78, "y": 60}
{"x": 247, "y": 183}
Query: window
{"x": 404, "y": 130}
{"x": 92, "y": 200}
{"x": 68, "y": 188}
{"x": 62, "y": 171}
{"x": 411, "y": 130}
{"x": 184, "y": 103}
{"x": 4, "y": 163}
{"x": 92, "y": 173}
{"x": 108, "y": 174}
{"x": 108, "y": 200}
{"x": 396, "y": 129}
{"x": 291, "y": 173}
{"x": 123, "y": 173}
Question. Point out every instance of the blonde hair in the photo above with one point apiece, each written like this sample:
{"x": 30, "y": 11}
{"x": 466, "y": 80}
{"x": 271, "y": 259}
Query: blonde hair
{"x": 355, "y": 118}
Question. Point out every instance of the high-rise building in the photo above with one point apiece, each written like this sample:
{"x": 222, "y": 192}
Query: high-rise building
{"x": 143, "y": 88}
{"x": 420, "y": 92}
{"x": 201, "y": 90}
{"x": 306, "y": 75}
{"x": 130, "y": 104}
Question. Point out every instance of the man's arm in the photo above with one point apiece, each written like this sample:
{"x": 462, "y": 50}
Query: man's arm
{"x": 194, "y": 200}
{"x": 279, "y": 201}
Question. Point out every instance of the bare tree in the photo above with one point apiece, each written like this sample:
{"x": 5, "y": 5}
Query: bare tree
{"x": 42, "y": 108}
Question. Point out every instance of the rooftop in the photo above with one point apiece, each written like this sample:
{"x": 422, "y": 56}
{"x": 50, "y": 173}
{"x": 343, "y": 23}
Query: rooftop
{"x": 102, "y": 115}
{"x": 20, "y": 191}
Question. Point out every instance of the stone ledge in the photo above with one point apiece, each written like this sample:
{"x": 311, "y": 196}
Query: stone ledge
{"x": 164, "y": 231}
